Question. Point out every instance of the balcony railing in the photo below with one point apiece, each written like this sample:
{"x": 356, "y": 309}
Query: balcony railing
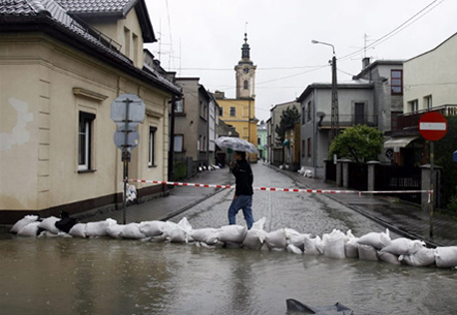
{"x": 351, "y": 120}
{"x": 411, "y": 120}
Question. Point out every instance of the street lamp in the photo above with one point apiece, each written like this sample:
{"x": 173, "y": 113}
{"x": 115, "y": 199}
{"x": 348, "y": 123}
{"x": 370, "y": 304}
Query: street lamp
{"x": 335, "y": 128}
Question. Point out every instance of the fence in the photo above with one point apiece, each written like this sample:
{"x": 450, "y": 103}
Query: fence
{"x": 330, "y": 170}
{"x": 390, "y": 177}
{"x": 358, "y": 176}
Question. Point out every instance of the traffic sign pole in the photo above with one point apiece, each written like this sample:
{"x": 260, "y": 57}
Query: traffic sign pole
{"x": 124, "y": 155}
{"x": 432, "y": 185}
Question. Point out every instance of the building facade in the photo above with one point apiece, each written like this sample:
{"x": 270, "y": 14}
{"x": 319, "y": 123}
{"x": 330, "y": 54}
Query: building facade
{"x": 64, "y": 69}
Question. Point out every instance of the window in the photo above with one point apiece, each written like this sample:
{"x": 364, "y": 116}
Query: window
{"x": 221, "y": 111}
{"x": 309, "y": 147}
{"x": 303, "y": 148}
{"x": 151, "y": 159}
{"x": 413, "y": 106}
{"x": 232, "y": 111}
{"x": 135, "y": 48}
{"x": 178, "y": 143}
{"x": 428, "y": 102}
{"x": 359, "y": 113}
{"x": 309, "y": 111}
{"x": 127, "y": 42}
{"x": 303, "y": 115}
{"x": 179, "y": 106}
{"x": 394, "y": 120}
{"x": 246, "y": 85}
{"x": 396, "y": 82}
{"x": 258, "y": 141}
{"x": 203, "y": 110}
{"x": 84, "y": 140}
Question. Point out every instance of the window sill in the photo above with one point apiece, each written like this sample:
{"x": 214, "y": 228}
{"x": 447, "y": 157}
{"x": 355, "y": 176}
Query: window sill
{"x": 86, "y": 171}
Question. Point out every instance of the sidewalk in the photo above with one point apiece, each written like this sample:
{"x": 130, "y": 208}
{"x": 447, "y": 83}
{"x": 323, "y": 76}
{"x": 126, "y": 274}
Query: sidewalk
{"x": 163, "y": 208}
{"x": 400, "y": 217}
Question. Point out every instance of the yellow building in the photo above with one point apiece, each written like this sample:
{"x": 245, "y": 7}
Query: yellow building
{"x": 239, "y": 112}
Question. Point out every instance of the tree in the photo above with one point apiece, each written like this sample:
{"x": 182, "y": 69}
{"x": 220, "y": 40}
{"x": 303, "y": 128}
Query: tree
{"x": 359, "y": 143}
{"x": 289, "y": 117}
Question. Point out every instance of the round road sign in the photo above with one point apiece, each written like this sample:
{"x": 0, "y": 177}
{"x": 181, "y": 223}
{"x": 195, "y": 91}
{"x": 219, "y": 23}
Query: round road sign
{"x": 433, "y": 126}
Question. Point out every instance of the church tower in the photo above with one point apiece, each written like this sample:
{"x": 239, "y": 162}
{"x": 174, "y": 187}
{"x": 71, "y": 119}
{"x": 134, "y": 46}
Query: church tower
{"x": 245, "y": 73}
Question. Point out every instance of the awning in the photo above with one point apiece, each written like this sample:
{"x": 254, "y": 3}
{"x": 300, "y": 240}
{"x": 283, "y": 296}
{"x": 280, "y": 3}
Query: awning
{"x": 399, "y": 142}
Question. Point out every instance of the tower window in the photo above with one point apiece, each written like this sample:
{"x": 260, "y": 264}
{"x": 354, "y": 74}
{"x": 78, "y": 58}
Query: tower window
{"x": 246, "y": 85}
{"x": 232, "y": 111}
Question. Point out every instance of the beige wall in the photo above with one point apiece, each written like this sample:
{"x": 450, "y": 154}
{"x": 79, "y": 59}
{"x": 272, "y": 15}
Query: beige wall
{"x": 39, "y": 124}
{"x": 433, "y": 73}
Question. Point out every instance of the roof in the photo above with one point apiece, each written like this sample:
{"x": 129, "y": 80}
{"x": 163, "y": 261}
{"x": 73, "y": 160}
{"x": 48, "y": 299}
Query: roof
{"x": 112, "y": 8}
{"x": 433, "y": 49}
{"x": 50, "y": 17}
{"x": 354, "y": 84}
{"x": 377, "y": 63}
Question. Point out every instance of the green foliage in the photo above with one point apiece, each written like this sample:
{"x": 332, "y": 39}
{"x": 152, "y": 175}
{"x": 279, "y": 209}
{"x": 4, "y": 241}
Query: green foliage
{"x": 180, "y": 169}
{"x": 444, "y": 149}
{"x": 359, "y": 144}
{"x": 289, "y": 117}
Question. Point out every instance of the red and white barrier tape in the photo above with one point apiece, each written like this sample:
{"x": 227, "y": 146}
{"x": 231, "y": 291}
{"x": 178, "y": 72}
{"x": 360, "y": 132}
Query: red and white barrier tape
{"x": 312, "y": 191}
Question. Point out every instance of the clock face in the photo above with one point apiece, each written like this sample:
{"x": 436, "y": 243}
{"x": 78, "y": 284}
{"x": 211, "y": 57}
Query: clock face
{"x": 246, "y": 70}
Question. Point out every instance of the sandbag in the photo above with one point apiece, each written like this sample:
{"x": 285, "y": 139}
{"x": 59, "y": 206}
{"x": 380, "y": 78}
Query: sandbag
{"x": 421, "y": 258}
{"x": 295, "y": 238}
{"x": 403, "y": 246}
{"x": 178, "y": 233}
{"x": 313, "y": 245}
{"x": 389, "y": 258}
{"x": 29, "y": 230}
{"x": 446, "y": 257}
{"x": 377, "y": 240}
{"x": 254, "y": 238}
{"x": 23, "y": 222}
{"x": 115, "y": 230}
{"x": 95, "y": 229}
{"x": 152, "y": 228}
{"x": 232, "y": 233}
{"x": 351, "y": 247}
{"x": 276, "y": 240}
{"x": 334, "y": 244}
{"x": 209, "y": 236}
{"x": 367, "y": 252}
{"x": 49, "y": 224}
{"x": 79, "y": 230}
{"x": 294, "y": 249}
{"x": 132, "y": 231}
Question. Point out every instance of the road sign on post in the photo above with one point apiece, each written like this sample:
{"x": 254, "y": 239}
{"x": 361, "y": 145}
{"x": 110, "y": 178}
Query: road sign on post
{"x": 127, "y": 111}
{"x": 433, "y": 127}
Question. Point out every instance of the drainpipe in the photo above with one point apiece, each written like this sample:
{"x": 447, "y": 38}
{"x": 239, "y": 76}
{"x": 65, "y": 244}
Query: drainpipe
{"x": 315, "y": 147}
{"x": 172, "y": 139}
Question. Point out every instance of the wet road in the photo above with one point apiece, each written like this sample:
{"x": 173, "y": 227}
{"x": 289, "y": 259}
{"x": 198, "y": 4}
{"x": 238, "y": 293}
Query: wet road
{"x": 107, "y": 276}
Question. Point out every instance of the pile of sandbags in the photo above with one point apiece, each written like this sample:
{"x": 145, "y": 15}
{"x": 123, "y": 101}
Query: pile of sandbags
{"x": 373, "y": 246}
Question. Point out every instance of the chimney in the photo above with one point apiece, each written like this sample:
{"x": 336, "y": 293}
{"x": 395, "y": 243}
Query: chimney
{"x": 365, "y": 62}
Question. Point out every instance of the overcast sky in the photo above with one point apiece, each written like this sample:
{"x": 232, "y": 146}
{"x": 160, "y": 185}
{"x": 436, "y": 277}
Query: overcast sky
{"x": 203, "y": 38}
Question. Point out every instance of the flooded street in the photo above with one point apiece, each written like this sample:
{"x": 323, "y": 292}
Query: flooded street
{"x": 109, "y": 276}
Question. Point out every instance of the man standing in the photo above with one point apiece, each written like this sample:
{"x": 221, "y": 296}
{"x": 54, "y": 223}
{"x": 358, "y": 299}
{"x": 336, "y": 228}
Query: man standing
{"x": 243, "y": 191}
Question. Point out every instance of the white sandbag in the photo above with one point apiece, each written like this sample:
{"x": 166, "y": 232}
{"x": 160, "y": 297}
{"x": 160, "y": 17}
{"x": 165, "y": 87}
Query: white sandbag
{"x": 313, "y": 245}
{"x": 49, "y": 224}
{"x": 47, "y": 234}
{"x": 179, "y": 232}
{"x": 209, "y": 236}
{"x": 367, "y": 252}
{"x": 403, "y": 246}
{"x": 421, "y": 258}
{"x": 334, "y": 244}
{"x": 132, "y": 231}
{"x": 152, "y": 228}
{"x": 294, "y": 249}
{"x": 168, "y": 227}
{"x": 254, "y": 238}
{"x": 95, "y": 229}
{"x": 377, "y": 240}
{"x": 232, "y": 233}
{"x": 295, "y": 238}
{"x": 29, "y": 230}
{"x": 79, "y": 230}
{"x": 23, "y": 222}
{"x": 276, "y": 240}
{"x": 446, "y": 257}
{"x": 389, "y": 258}
{"x": 115, "y": 230}
{"x": 351, "y": 247}
{"x": 259, "y": 224}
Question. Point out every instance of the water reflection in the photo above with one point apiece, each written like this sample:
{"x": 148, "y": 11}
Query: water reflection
{"x": 106, "y": 276}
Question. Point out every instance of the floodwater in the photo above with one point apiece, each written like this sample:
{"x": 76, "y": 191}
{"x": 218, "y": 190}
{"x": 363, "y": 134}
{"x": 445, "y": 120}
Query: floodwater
{"x": 109, "y": 276}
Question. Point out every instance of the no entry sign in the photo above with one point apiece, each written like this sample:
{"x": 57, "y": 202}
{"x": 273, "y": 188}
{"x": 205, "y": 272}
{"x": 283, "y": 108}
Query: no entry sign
{"x": 433, "y": 126}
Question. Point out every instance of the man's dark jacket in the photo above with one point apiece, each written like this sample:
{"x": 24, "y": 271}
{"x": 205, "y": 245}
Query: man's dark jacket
{"x": 244, "y": 178}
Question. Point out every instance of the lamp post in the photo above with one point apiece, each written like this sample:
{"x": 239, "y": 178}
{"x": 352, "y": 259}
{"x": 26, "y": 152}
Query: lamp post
{"x": 335, "y": 128}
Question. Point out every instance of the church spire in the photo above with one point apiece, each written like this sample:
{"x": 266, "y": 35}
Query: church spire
{"x": 245, "y": 48}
